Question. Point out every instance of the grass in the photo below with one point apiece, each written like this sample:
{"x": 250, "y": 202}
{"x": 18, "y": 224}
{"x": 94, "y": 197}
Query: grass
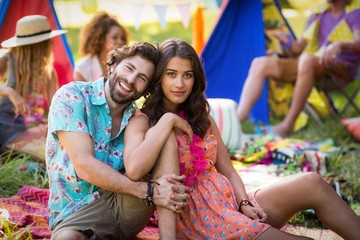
{"x": 17, "y": 170}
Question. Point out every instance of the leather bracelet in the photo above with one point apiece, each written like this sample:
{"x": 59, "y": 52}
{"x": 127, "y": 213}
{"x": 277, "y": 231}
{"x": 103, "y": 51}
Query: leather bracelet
{"x": 244, "y": 202}
{"x": 150, "y": 193}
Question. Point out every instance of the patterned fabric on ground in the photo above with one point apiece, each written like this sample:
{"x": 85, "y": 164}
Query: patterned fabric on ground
{"x": 33, "y": 146}
{"x": 29, "y": 206}
{"x": 212, "y": 211}
{"x": 320, "y": 234}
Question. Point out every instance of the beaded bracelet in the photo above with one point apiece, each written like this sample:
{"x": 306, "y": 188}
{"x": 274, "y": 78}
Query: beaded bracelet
{"x": 150, "y": 192}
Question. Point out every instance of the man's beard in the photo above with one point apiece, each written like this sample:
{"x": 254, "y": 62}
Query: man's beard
{"x": 118, "y": 97}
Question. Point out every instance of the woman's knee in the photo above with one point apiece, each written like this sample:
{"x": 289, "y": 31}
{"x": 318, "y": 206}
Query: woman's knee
{"x": 311, "y": 181}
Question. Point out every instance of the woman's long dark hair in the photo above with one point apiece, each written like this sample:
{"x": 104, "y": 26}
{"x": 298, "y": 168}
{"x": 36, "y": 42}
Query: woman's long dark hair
{"x": 196, "y": 107}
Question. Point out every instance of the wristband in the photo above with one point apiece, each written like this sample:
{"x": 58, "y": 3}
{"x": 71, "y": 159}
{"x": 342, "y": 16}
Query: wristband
{"x": 244, "y": 202}
{"x": 150, "y": 193}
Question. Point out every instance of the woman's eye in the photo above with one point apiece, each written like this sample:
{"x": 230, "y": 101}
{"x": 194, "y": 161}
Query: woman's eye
{"x": 171, "y": 74}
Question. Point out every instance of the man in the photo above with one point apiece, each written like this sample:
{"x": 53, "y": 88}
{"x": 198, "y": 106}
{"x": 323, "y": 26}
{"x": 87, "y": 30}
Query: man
{"x": 330, "y": 46}
{"x": 90, "y": 197}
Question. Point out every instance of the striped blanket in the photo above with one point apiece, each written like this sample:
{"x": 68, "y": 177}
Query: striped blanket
{"x": 27, "y": 212}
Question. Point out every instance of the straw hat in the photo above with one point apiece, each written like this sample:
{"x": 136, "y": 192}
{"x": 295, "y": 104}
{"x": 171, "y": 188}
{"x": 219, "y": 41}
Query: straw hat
{"x": 31, "y": 29}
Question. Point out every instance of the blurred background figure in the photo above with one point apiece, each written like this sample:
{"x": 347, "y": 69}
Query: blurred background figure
{"x": 100, "y": 35}
{"x": 329, "y": 47}
{"x": 28, "y": 82}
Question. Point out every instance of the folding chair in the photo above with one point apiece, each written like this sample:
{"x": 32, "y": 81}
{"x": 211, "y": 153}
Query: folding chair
{"x": 336, "y": 85}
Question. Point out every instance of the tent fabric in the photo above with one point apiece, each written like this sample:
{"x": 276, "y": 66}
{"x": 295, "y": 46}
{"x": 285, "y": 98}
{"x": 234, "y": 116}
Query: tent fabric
{"x": 13, "y": 10}
{"x": 236, "y": 40}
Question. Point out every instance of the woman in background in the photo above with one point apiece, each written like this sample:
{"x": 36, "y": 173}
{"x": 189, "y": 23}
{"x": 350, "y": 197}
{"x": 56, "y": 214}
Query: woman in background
{"x": 98, "y": 37}
{"x": 28, "y": 82}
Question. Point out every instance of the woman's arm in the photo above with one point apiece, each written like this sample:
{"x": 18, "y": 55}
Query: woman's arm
{"x": 225, "y": 167}
{"x": 53, "y": 86}
{"x": 142, "y": 147}
{"x": 3, "y": 67}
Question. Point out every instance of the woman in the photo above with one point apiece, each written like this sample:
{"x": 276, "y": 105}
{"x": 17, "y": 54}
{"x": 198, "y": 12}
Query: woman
{"x": 28, "y": 81}
{"x": 219, "y": 207}
{"x": 98, "y": 37}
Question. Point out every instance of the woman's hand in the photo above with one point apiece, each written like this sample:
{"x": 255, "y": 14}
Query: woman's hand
{"x": 20, "y": 105}
{"x": 181, "y": 124}
{"x": 255, "y": 213}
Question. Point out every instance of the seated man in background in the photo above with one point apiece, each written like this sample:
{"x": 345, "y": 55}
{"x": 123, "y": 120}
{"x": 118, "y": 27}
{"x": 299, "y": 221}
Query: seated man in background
{"x": 330, "y": 46}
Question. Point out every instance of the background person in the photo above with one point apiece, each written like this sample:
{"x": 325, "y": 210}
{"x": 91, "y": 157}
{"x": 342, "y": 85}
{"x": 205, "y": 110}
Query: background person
{"x": 329, "y": 46}
{"x": 29, "y": 82}
{"x": 102, "y": 34}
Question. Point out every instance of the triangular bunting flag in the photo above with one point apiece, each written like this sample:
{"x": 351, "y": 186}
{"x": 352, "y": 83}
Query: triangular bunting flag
{"x": 184, "y": 9}
{"x": 136, "y": 11}
{"x": 161, "y": 11}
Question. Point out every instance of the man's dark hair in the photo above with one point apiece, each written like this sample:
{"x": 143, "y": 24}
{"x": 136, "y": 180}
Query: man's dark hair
{"x": 142, "y": 49}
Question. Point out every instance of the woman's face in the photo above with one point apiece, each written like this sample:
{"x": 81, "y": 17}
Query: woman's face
{"x": 115, "y": 38}
{"x": 177, "y": 82}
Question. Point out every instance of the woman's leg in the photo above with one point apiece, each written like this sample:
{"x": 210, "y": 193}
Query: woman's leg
{"x": 309, "y": 191}
{"x": 167, "y": 162}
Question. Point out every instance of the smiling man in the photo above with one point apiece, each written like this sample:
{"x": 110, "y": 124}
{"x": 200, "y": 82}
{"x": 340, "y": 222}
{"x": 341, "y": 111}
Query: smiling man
{"x": 90, "y": 197}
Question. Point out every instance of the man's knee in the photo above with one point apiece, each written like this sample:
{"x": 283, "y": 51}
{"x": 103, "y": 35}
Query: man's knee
{"x": 308, "y": 61}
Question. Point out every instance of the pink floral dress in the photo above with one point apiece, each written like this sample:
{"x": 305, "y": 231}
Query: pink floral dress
{"x": 212, "y": 212}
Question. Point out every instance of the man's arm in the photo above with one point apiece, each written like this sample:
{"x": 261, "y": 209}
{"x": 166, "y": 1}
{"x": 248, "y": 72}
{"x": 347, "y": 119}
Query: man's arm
{"x": 79, "y": 147}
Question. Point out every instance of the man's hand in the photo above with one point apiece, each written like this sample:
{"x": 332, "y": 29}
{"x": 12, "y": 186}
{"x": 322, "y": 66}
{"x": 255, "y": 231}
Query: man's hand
{"x": 330, "y": 53}
{"x": 171, "y": 193}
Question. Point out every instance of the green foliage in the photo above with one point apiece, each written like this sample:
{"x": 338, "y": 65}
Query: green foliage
{"x": 17, "y": 170}
{"x": 9, "y": 231}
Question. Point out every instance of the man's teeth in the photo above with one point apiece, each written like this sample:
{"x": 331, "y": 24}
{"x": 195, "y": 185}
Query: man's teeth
{"x": 126, "y": 88}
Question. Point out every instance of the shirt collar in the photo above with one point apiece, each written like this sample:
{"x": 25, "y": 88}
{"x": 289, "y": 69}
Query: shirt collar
{"x": 98, "y": 92}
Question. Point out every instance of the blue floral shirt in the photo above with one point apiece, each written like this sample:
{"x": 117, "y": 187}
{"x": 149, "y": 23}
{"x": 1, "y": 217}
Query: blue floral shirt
{"x": 80, "y": 107}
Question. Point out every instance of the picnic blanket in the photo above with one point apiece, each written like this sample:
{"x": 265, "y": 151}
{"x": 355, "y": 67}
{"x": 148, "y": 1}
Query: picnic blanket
{"x": 27, "y": 212}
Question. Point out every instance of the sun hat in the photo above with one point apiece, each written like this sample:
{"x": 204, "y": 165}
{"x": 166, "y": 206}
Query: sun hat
{"x": 31, "y": 29}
